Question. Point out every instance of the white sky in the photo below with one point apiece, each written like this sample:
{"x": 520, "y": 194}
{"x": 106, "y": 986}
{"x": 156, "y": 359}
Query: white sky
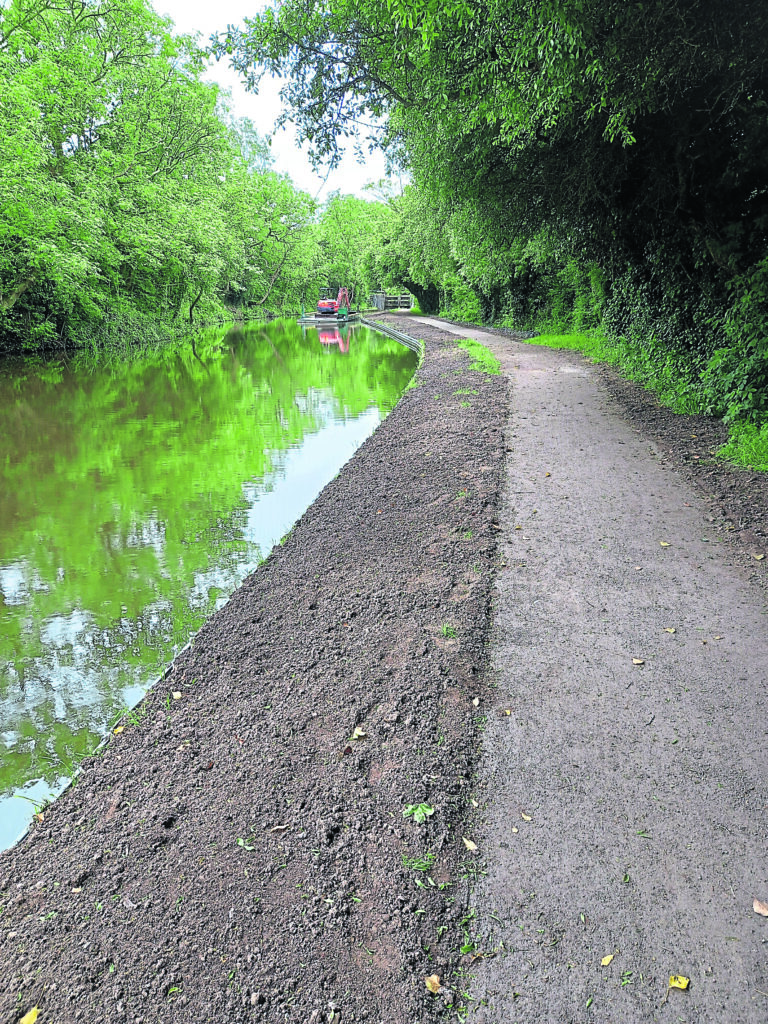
{"x": 207, "y": 17}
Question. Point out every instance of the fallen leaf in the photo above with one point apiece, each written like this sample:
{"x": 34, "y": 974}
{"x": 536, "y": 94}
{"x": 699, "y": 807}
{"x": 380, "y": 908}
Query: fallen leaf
{"x": 433, "y": 983}
{"x": 758, "y": 558}
{"x": 347, "y": 749}
{"x": 79, "y": 888}
{"x": 547, "y": 474}
{"x": 476, "y": 702}
{"x": 176, "y": 694}
{"x": 118, "y": 730}
{"x": 30, "y": 1017}
{"x": 475, "y": 803}
{"x": 525, "y": 817}
{"x": 670, "y": 629}
{"x": 718, "y": 638}
{"x": 638, "y": 661}
{"x": 678, "y": 981}
{"x": 518, "y": 527}
{"x": 607, "y": 959}
{"x": 515, "y": 829}
{"x": 665, "y": 544}
{"x": 359, "y": 734}
{"x": 40, "y": 816}
{"x": 638, "y": 568}
{"x": 279, "y": 828}
{"x": 760, "y": 908}
{"x": 472, "y": 847}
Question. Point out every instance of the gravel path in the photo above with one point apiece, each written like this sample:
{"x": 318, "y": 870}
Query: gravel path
{"x": 240, "y": 852}
{"x": 624, "y": 778}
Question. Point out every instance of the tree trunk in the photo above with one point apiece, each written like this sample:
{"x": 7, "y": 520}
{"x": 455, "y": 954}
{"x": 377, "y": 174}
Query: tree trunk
{"x": 8, "y": 301}
{"x": 193, "y": 304}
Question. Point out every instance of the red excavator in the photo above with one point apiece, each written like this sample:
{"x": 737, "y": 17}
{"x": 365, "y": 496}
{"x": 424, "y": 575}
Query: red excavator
{"x": 338, "y": 307}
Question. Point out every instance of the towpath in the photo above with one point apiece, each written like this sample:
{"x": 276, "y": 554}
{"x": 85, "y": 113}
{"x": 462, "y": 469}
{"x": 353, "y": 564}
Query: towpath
{"x": 624, "y": 775}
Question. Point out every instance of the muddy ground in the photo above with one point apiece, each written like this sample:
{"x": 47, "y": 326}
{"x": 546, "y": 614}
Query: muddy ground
{"x": 239, "y": 852}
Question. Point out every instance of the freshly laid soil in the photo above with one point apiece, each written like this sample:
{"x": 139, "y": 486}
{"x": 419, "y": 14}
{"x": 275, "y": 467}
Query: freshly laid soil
{"x": 236, "y": 853}
{"x": 239, "y": 852}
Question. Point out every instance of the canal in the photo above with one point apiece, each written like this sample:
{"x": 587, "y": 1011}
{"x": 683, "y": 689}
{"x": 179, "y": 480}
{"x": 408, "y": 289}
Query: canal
{"x": 135, "y": 496}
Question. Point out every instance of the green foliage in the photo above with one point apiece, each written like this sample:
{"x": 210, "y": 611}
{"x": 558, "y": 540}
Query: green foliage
{"x": 483, "y": 360}
{"x": 747, "y": 446}
{"x": 350, "y": 235}
{"x": 131, "y": 202}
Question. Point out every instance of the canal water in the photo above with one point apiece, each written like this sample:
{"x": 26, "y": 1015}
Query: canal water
{"x": 135, "y": 496}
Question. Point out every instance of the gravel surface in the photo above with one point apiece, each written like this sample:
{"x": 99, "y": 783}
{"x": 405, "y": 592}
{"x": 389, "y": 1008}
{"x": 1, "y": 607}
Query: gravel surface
{"x": 239, "y": 852}
{"x": 623, "y": 787}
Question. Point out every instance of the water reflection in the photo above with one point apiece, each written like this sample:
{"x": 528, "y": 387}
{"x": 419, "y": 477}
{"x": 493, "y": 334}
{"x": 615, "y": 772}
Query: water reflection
{"x": 135, "y": 497}
{"x": 335, "y": 336}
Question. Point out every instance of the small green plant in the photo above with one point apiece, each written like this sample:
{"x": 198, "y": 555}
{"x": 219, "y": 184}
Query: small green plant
{"x": 463, "y": 493}
{"x": 467, "y": 535}
{"x": 419, "y": 863}
{"x": 449, "y": 631}
{"x": 483, "y": 360}
{"x": 419, "y": 812}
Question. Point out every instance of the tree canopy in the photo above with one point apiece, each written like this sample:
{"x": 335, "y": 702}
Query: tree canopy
{"x": 131, "y": 201}
{"x": 598, "y": 161}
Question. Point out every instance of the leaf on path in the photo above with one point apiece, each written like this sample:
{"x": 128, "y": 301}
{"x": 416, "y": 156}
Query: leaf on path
{"x": 31, "y": 1016}
{"x": 718, "y": 638}
{"x": 760, "y": 908}
{"x": 638, "y": 661}
{"x": 472, "y": 847}
{"x": 669, "y": 629}
{"x": 475, "y": 803}
{"x": 118, "y": 729}
{"x": 515, "y": 829}
{"x": 665, "y": 544}
{"x": 476, "y": 702}
{"x": 607, "y": 959}
{"x": 638, "y": 568}
{"x": 525, "y": 817}
{"x": 176, "y": 694}
{"x": 758, "y": 558}
{"x": 678, "y": 981}
{"x": 359, "y": 734}
{"x": 279, "y": 828}
{"x": 433, "y": 983}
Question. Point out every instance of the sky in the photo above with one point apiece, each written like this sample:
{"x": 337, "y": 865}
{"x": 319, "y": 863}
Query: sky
{"x": 207, "y": 17}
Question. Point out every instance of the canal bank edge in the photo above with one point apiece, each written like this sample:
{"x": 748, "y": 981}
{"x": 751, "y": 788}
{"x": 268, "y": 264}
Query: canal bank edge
{"x": 278, "y": 831}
